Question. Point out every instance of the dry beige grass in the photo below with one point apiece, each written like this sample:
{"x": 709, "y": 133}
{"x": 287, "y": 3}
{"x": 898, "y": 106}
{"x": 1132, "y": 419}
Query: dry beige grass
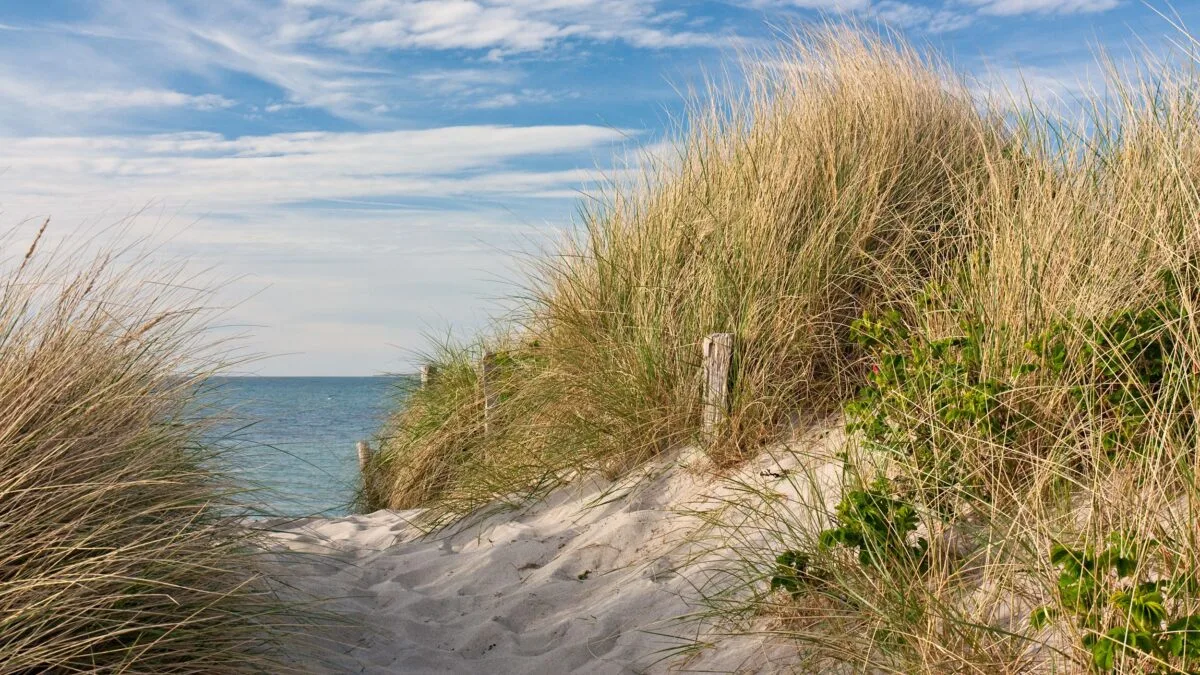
{"x": 828, "y": 187}
{"x": 1071, "y": 232}
{"x": 118, "y": 550}
{"x": 853, "y": 175}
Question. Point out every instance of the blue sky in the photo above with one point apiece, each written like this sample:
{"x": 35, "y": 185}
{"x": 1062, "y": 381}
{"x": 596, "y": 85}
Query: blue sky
{"x": 363, "y": 169}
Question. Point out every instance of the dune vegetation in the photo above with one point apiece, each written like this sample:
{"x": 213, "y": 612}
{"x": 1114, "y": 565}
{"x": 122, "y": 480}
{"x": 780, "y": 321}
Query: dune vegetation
{"x": 998, "y": 303}
{"x": 119, "y": 547}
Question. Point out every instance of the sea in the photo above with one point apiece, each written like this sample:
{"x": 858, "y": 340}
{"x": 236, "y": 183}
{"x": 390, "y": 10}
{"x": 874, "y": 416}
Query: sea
{"x": 293, "y": 440}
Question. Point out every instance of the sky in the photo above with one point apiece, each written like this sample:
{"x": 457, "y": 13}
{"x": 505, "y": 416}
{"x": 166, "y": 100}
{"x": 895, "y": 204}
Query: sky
{"x": 367, "y": 173}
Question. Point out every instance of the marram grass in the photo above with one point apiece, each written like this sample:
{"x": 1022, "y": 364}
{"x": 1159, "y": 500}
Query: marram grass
{"x": 1023, "y": 439}
{"x": 999, "y": 307}
{"x": 829, "y": 185}
{"x": 118, "y": 547}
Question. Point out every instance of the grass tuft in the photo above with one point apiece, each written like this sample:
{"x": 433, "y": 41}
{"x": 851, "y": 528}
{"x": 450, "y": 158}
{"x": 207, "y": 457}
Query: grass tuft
{"x": 120, "y": 547}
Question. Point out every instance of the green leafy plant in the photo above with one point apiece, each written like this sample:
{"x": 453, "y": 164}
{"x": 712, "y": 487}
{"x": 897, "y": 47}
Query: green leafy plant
{"x": 878, "y": 526}
{"x": 1122, "y": 612}
{"x": 1121, "y": 369}
{"x": 871, "y": 521}
{"x": 927, "y": 399}
{"x": 923, "y": 397}
{"x": 791, "y": 572}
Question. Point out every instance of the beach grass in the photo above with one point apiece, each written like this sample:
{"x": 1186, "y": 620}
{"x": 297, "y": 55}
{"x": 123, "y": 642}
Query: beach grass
{"x": 996, "y": 301}
{"x": 120, "y": 544}
{"x": 784, "y": 212}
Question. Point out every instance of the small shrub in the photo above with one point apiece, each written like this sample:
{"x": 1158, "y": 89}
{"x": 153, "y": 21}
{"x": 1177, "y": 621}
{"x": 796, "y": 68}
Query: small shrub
{"x": 791, "y": 573}
{"x": 927, "y": 399}
{"x": 878, "y": 526}
{"x": 1122, "y": 370}
{"x": 1124, "y": 613}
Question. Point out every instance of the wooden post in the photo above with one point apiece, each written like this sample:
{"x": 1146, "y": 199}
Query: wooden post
{"x": 718, "y": 357}
{"x": 487, "y": 367}
{"x": 428, "y": 372}
{"x": 364, "y": 456}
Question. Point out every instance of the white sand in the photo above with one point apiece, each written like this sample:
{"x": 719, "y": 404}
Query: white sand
{"x": 565, "y": 586}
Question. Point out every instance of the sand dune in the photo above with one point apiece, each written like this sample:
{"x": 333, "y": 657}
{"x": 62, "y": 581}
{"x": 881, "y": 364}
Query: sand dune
{"x": 590, "y": 580}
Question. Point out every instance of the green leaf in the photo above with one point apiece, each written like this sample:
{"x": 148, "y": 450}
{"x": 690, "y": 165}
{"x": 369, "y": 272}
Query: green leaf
{"x": 1126, "y": 638}
{"x": 830, "y": 538}
{"x": 1058, "y": 356}
{"x": 1069, "y": 559}
{"x": 790, "y": 571}
{"x": 1183, "y": 637}
{"x": 1102, "y": 654}
{"x": 1042, "y": 616}
{"x": 1143, "y": 607}
{"x": 1124, "y": 567}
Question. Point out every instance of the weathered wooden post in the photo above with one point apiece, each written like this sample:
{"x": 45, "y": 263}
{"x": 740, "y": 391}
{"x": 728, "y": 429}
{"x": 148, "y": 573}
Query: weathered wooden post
{"x": 487, "y": 369}
{"x": 718, "y": 357}
{"x": 428, "y": 372}
{"x": 364, "y": 456}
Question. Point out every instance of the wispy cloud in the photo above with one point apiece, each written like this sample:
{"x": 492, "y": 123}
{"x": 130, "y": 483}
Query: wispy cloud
{"x": 935, "y": 16}
{"x": 1057, "y": 88}
{"x": 908, "y": 15}
{"x": 43, "y": 102}
{"x": 331, "y": 54}
{"x": 515, "y": 98}
{"x": 211, "y": 41}
{"x": 499, "y": 26}
{"x": 208, "y": 170}
{"x": 116, "y": 99}
{"x": 1014, "y": 7}
{"x": 466, "y": 80}
{"x": 485, "y": 89}
{"x": 361, "y": 236}
{"x": 822, "y": 5}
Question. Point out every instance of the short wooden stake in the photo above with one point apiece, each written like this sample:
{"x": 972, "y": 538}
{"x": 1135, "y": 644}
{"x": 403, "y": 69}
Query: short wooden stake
{"x": 364, "y": 456}
{"x": 428, "y": 372}
{"x": 718, "y": 357}
{"x": 487, "y": 369}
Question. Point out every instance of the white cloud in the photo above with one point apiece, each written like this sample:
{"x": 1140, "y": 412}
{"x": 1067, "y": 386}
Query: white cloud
{"x": 485, "y": 89}
{"x": 500, "y": 27}
{"x": 31, "y": 101}
{"x": 280, "y": 107}
{"x": 1013, "y": 7}
{"x": 325, "y": 54}
{"x": 373, "y": 234}
{"x": 506, "y": 100}
{"x": 906, "y": 15}
{"x": 514, "y": 98}
{"x": 951, "y": 15}
{"x": 252, "y": 171}
{"x": 211, "y": 40}
{"x": 820, "y": 5}
{"x": 935, "y": 16}
{"x": 454, "y": 82}
{"x": 59, "y": 83}
{"x": 115, "y": 99}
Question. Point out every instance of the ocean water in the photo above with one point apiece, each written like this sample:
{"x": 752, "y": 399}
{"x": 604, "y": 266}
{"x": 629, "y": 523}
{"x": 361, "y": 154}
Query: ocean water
{"x": 294, "y": 438}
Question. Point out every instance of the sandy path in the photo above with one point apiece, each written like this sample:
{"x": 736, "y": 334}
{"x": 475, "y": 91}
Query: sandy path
{"x": 566, "y": 586}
